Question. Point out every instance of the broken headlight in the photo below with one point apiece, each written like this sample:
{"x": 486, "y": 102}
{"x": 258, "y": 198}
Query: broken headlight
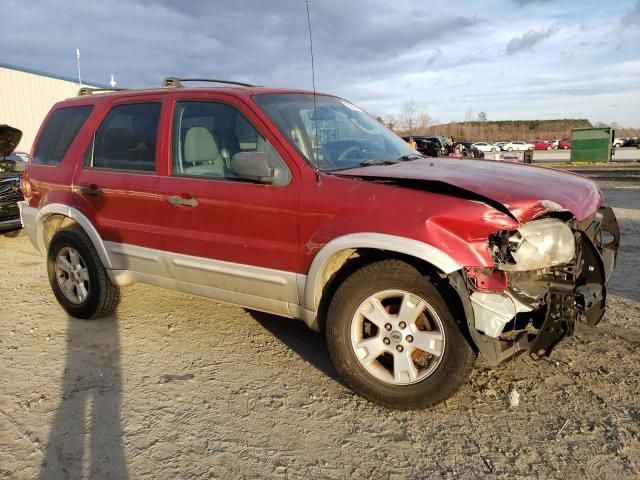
{"x": 537, "y": 244}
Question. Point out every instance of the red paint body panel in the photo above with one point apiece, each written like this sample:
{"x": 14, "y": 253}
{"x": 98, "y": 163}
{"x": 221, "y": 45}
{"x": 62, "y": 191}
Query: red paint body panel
{"x": 128, "y": 209}
{"x": 236, "y": 222}
{"x": 340, "y": 206}
{"x": 519, "y": 187}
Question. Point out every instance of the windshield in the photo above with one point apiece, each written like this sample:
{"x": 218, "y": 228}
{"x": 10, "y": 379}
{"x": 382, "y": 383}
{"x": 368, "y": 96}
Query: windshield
{"x": 336, "y": 135}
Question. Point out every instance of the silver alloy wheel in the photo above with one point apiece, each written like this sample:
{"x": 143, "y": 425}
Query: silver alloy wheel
{"x": 397, "y": 337}
{"x": 72, "y": 275}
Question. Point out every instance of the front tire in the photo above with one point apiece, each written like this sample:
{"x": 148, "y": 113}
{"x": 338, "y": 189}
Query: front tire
{"x": 78, "y": 279}
{"x": 393, "y": 339}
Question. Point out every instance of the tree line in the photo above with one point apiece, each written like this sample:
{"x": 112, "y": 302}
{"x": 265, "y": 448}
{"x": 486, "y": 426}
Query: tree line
{"x": 413, "y": 121}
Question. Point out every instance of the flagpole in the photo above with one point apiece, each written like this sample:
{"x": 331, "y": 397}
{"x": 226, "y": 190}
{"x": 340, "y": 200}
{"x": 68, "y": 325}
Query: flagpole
{"x": 78, "y": 60}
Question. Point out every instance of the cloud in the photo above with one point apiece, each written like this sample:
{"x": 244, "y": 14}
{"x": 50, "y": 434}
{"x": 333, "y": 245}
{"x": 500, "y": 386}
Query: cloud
{"x": 529, "y": 40}
{"x": 365, "y": 51}
{"x": 631, "y": 18}
{"x": 435, "y": 56}
{"x": 143, "y": 40}
{"x": 525, "y": 3}
{"x": 467, "y": 60}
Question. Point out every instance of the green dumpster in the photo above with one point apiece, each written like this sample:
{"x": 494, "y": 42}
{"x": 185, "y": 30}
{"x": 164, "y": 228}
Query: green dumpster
{"x": 591, "y": 144}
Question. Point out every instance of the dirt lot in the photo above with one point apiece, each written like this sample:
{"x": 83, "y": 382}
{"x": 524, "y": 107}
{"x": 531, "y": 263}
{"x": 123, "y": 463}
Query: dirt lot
{"x": 177, "y": 386}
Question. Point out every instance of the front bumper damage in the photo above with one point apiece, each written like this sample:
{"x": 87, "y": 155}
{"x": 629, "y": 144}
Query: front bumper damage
{"x": 10, "y": 195}
{"x": 540, "y": 308}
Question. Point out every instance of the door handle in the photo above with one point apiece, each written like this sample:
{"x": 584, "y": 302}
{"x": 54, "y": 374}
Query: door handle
{"x": 178, "y": 200}
{"x": 91, "y": 191}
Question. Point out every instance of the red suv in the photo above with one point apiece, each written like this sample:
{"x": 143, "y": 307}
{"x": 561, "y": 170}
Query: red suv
{"x": 305, "y": 206}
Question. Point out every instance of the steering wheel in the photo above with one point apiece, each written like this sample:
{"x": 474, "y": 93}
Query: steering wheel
{"x": 349, "y": 150}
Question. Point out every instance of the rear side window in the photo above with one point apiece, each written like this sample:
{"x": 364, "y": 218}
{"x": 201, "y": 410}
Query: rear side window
{"x": 126, "y": 139}
{"x": 56, "y": 137}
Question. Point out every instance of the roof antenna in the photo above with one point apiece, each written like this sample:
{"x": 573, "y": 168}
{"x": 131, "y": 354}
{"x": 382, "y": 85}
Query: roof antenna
{"x": 315, "y": 112}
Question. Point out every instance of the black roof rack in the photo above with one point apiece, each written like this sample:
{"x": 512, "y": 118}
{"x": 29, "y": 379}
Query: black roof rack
{"x": 90, "y": 91}
{"x": 175, "y": 82}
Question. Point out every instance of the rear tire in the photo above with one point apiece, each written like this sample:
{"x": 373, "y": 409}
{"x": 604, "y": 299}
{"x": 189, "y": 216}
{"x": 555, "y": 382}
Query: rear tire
{"x": 402, "y": 375}
{"x": 78, "y": 279}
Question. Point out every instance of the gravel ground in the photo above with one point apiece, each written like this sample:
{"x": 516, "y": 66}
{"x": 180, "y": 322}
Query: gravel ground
{"x": 176, "y": 386}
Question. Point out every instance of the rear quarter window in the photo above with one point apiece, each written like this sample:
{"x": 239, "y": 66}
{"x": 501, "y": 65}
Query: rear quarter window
{"x": 57, "y": 135}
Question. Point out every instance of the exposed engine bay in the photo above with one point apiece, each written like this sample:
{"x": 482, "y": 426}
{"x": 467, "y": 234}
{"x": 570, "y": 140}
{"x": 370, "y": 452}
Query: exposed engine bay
{"x": 541, "y": 304}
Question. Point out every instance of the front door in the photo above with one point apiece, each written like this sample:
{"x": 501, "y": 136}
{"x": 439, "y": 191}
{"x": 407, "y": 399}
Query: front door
{"x": 223, "y": 232}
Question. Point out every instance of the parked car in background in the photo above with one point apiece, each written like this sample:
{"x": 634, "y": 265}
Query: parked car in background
{"x": 486, "y": 147}
{"x": 410, "y": 266}
{"x": 565, "y": 144}
{"x": 540, "y": 144}
{"x": 23, "y": 155}
{"x": 20, "y": 159}
{"x": 618, "y": 142}
{"x": 500, "y": 144}
{"x": 428, "y": 146}
{"x": 467, "y": 149}
{"x": 631, "y": 142}
{"x": 11, "y": 168}
{"x": 517, "y": 146}
{"x": 445, "y": 145}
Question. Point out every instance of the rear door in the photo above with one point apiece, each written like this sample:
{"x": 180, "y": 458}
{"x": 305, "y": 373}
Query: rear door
{"x": 116, "y": 184}
{"x": 222, "y": 231}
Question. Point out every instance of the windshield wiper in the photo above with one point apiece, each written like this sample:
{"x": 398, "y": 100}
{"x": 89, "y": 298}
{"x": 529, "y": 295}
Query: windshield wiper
{"x": 368, "y": 163}
{"x": 411, "y": 156}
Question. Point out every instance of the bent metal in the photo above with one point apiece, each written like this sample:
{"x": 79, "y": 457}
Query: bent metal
{"x": 304, "y": 206}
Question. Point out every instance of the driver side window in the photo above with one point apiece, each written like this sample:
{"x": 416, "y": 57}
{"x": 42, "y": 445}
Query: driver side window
{"x": 206, "y": 135}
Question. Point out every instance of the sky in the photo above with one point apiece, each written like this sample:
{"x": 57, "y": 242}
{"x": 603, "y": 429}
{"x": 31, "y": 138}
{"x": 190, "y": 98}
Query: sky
{"x": 512, "y": 59}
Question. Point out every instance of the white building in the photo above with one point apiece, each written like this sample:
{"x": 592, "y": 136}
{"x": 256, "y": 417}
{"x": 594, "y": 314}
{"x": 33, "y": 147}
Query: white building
{"x": 27, "y": 95}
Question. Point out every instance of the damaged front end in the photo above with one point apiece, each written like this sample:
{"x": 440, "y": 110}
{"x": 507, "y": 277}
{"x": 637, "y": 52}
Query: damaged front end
{"x": 549, "y": 273}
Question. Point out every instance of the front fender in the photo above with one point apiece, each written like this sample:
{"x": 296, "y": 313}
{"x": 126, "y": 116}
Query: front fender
{"x": 316, "y": 278}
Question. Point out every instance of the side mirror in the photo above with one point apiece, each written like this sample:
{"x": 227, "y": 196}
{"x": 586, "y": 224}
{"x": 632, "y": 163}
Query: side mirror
{"x": 252, "y": 166}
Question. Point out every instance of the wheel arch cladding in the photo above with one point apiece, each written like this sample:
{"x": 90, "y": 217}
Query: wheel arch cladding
{"x": 335, "y": 254}
{"x": 54, "y": 217}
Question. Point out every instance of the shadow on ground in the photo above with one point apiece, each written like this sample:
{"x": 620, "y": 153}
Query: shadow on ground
{"x": 85, "y": 440}
{"x": 309, "y": 345}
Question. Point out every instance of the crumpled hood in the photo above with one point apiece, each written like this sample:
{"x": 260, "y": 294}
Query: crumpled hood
{"x": 9, "y": 139}
{"x": 526, "y": 191}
